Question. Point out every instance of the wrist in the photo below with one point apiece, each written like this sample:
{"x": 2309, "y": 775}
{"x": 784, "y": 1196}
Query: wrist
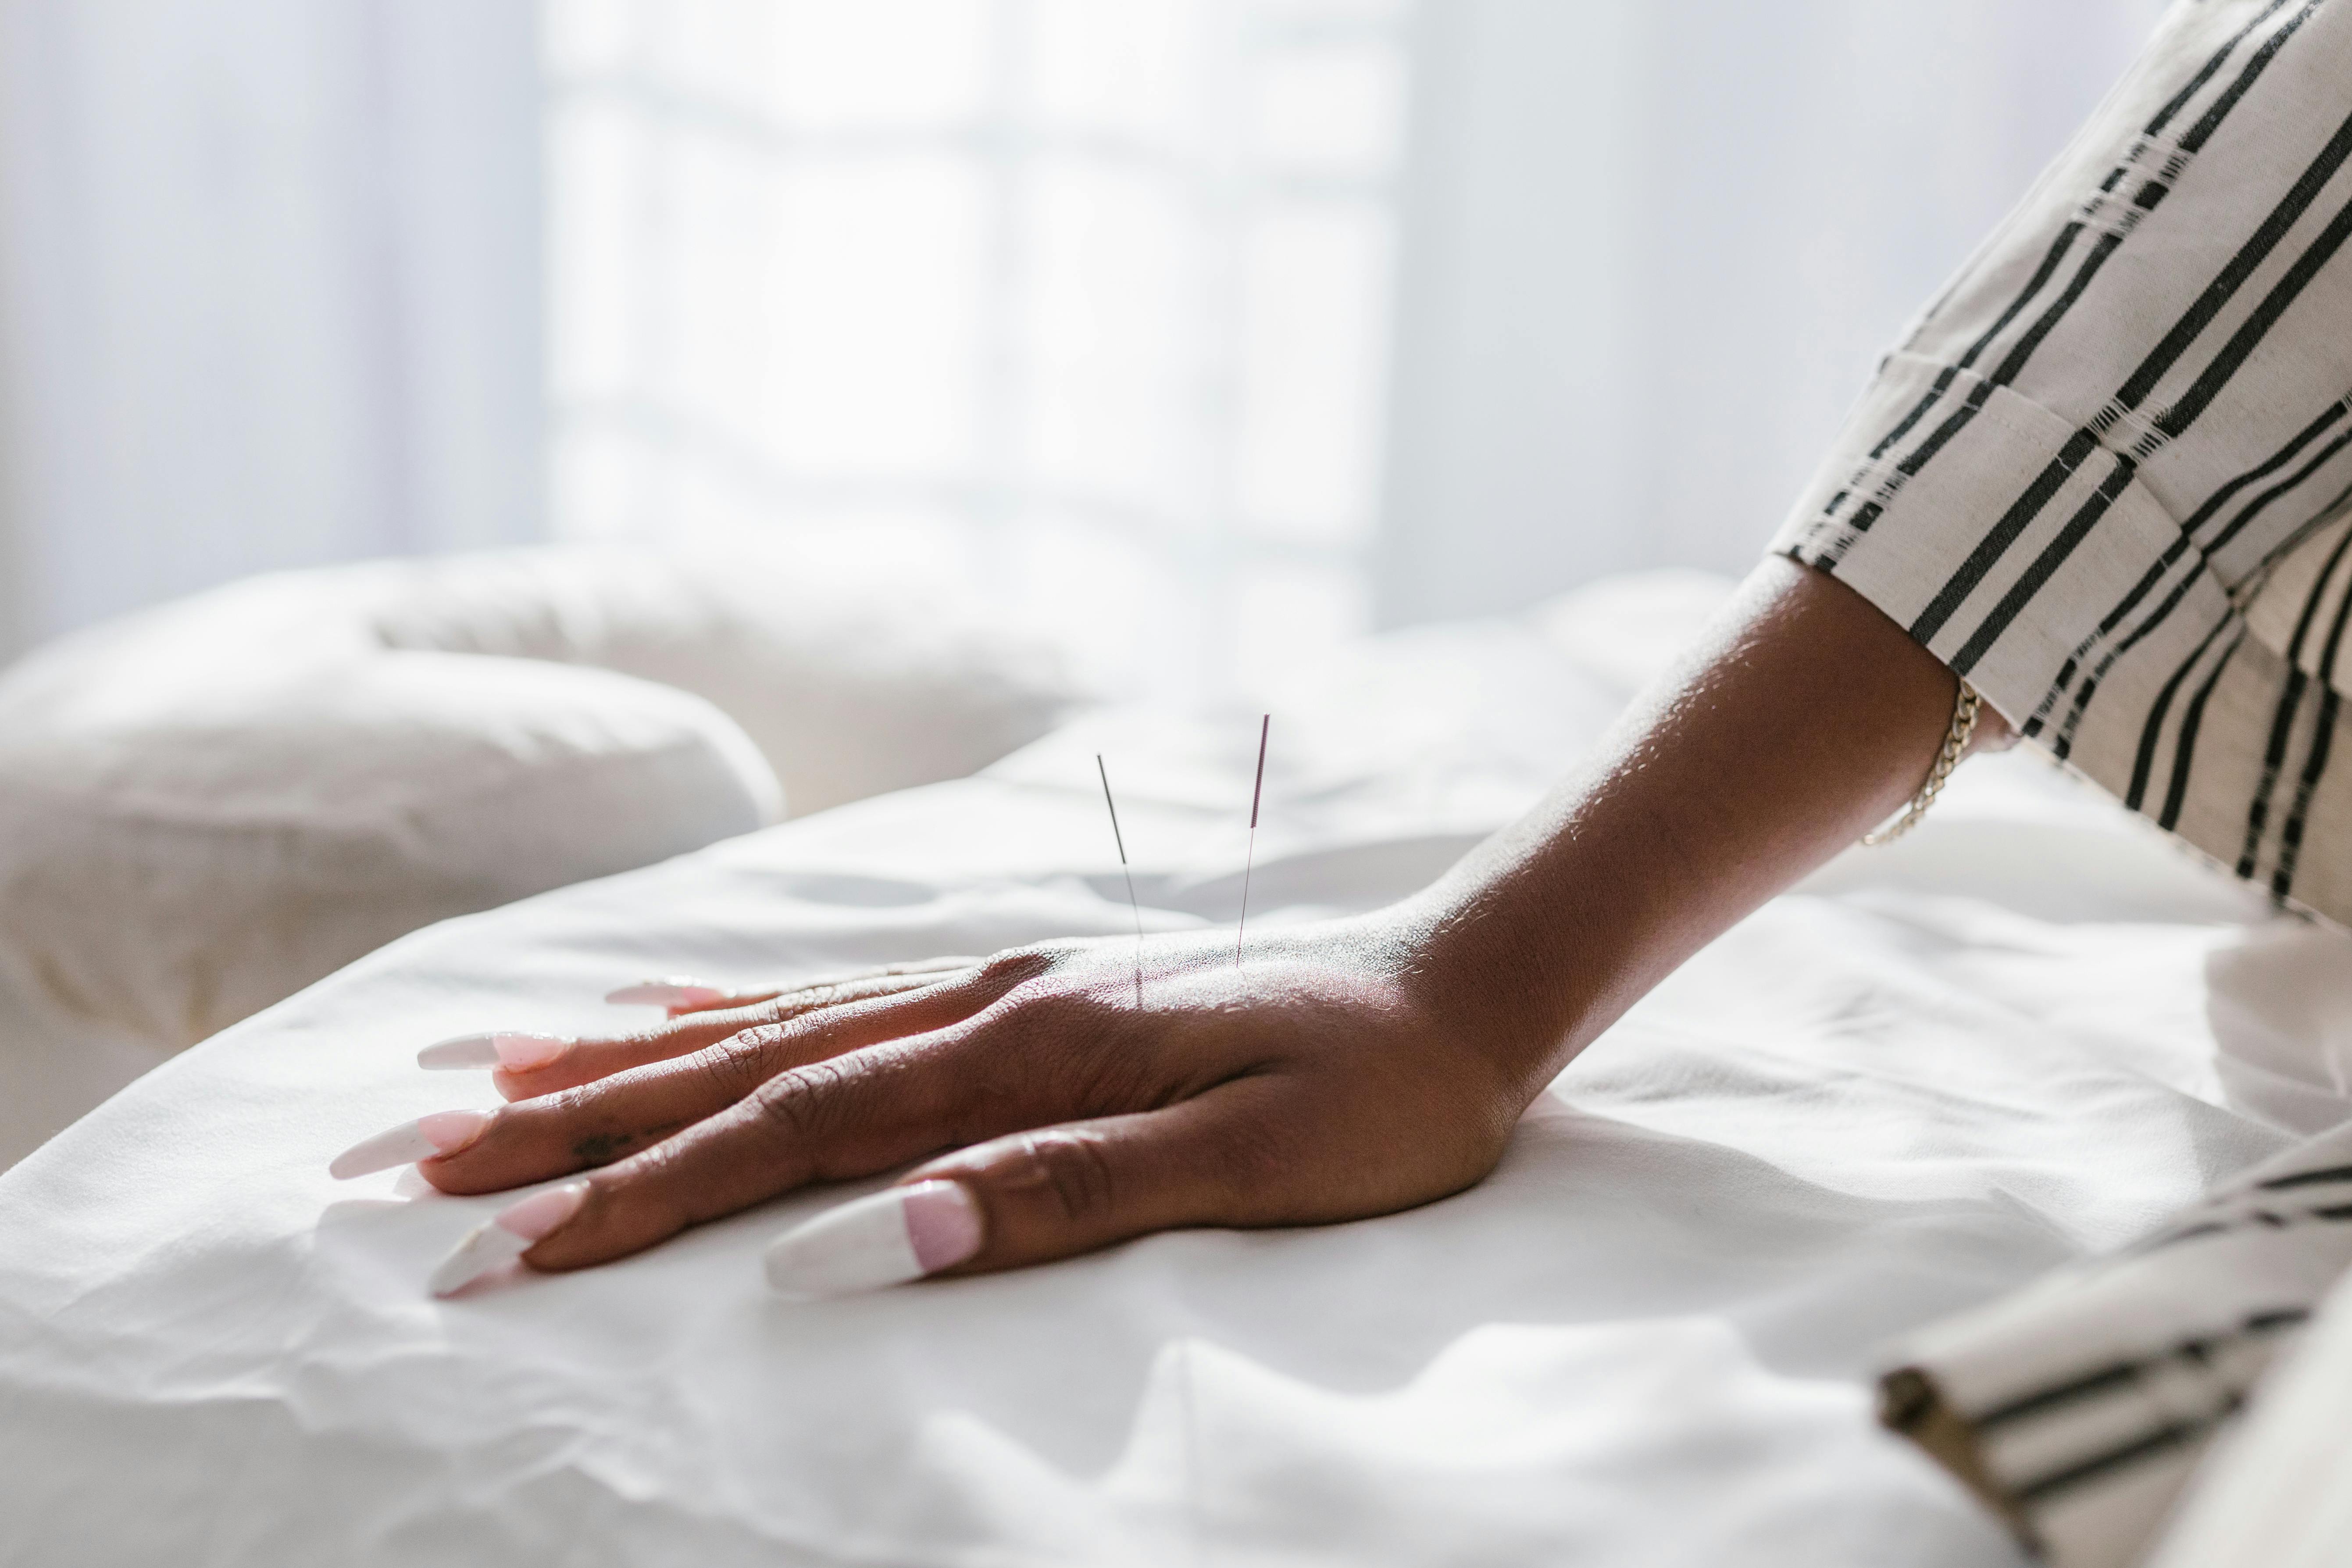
{"x": 1482, "y": 983}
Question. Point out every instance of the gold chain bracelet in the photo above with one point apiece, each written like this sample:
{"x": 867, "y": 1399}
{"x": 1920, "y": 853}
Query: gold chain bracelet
{"x": 1956, "y": 746}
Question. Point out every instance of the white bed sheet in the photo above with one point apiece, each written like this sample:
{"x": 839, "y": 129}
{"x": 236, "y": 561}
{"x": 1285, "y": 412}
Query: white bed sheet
{"x": 1644, "y": 1340}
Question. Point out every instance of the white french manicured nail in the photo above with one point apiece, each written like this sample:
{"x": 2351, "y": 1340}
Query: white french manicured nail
{"x": 511, "y": 1232}
{"x": 443, "y": 1132}
{"x": 511, "y": 1049}
{"x": 884, "y": 1238}
{"x": 674, "y": 992}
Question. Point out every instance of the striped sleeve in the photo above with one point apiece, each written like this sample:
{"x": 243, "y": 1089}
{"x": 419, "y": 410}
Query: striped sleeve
{"x": 2103, "y": 476}
{"x": 2078, "y": 1407}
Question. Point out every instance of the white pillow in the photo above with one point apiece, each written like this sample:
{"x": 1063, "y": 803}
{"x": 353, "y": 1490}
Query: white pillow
{"x": 852, "y": 682}
{"x": 207, "y": 806}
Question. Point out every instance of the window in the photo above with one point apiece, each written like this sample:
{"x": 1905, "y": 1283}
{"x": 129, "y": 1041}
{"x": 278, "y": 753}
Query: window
{"x": 1083, "y": 304}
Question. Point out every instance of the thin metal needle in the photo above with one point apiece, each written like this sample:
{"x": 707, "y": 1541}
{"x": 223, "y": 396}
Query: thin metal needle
{"x": 1258, "y": 791}
{"x": 1118, "y": 838}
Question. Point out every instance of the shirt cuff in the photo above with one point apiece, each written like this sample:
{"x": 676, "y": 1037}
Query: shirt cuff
{"x": 2005, "y": 555}
{"x": 2077, "y": 1408}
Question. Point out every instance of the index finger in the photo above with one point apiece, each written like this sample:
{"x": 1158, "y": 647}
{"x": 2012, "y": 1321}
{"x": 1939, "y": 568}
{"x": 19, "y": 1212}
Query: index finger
{"x": 847, "y": 1117}
{"x": 678, "y": 994}
{"x": 570, "y": 1064}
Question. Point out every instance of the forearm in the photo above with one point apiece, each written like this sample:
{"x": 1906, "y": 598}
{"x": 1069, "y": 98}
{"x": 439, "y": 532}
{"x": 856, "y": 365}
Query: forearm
{"x": 1803, "y": 719}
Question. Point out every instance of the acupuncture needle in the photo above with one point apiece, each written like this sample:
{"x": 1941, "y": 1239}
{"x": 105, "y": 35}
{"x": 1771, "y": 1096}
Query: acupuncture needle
{"x": 1257, "y": 791}
{"x": 1136, "y": 909}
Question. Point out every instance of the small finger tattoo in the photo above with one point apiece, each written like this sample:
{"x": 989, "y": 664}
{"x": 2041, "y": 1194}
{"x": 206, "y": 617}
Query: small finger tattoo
{"x": 603, "y": 1148}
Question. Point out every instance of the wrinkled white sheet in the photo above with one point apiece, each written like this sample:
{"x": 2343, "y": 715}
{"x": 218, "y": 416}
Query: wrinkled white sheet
{"x": 1644, "y": 1340}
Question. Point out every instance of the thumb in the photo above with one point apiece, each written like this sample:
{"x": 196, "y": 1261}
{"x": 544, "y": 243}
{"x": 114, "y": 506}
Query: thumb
{"x": 1053, "y": 1193}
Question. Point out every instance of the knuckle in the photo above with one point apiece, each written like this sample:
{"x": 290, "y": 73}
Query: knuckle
{"x": 580, "y": 1105}
{"x": 1083, "y": 1041}
{"x": 1078, "y": 1015}
{"x": 1016, "y": 965}
{"x": 1070, "y": 1170}
{"x": 801, "y": 1106}
{"x": 763, "y": 1037}
{"x": 812, "y": 999}
{"x": 638, "y": 1196}
{"x": 733, "y": 1067}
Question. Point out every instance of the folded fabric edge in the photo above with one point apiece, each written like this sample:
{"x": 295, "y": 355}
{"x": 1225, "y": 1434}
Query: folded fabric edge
{"x": 1911, "y": 1406}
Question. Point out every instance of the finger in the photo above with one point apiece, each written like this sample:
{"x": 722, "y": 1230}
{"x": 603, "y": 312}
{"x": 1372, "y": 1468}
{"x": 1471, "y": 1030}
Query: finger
{"x": 681, "y": 995}
{"x": 1018, "y": 1199}
{"x": 1035, "y": 1196}
{"x": 618, "y": 1117}
{"x": 847, "y": 1114}
{"x": 678, "y": 994}
{"x": 845, "y": 1117}
{"x": 570, "y": 1064}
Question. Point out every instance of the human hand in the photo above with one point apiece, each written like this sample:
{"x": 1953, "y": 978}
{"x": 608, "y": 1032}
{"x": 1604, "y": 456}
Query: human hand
{"x": 1319, "y": 1081}
{"x": 1349, "y": 1068}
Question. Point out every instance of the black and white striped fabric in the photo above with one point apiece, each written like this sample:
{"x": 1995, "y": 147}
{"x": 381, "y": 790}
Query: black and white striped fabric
{"x": 2106, "y": 474}
{"x": 2106, "y": 477}
{"x": 2078, "y": 1407}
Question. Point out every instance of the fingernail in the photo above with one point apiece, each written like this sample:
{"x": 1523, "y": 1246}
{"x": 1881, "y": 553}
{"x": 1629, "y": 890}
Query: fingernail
{"x": 443, "y": 1132}
{"x": 885, "y": 1238}
{"x": 673, "y": 992}
{"x": 512, "y": 1232}
{"x": 514, "y": 1051}
{"x": 942, "y": 1224}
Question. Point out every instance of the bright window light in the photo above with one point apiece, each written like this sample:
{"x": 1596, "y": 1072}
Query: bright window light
{"x": 1083, "y": 304}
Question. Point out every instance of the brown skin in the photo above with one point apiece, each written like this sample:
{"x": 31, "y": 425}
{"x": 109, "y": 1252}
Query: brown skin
{"x": 1352, "y": 1068}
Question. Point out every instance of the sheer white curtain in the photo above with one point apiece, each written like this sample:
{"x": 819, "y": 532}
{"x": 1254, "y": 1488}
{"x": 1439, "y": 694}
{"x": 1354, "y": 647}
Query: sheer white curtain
{"x": 1094, "y": 302}
{"x": 269, "y": 290}
{"x": 1654, "y": 248}
{"x": 1205, "y": 330}
{"x": 1084, "y": 302}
